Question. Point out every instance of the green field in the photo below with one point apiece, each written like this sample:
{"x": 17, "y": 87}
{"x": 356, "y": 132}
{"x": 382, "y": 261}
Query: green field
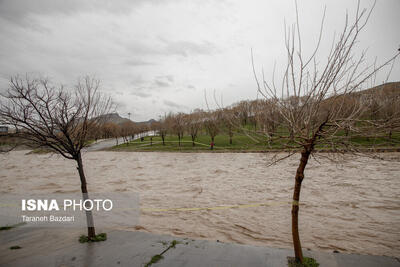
{"x": 202, "y": 143}
{"x": 241, "y": 142}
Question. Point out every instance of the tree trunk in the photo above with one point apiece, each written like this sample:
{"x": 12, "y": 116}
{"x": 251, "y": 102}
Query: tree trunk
{"x": 163, "y": 140}
{"x": 193, "y": 138}
{"x": 291, "y": 135}
{"x": 85, "y": 195}
{"x": 230, "y": 139}
{"x": 295, "y": 205}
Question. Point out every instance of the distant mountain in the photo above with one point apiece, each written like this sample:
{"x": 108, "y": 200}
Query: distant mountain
{"x": 114, "y": 118}
{"x": 117, "y": 119}
{"x": 146, "y": 122}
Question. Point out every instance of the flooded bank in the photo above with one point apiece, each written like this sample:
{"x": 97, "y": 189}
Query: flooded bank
{"x": 351, "y": 207}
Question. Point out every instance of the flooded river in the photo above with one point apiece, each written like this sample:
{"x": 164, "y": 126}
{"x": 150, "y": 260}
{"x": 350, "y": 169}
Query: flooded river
{"x": 352, "y": 207}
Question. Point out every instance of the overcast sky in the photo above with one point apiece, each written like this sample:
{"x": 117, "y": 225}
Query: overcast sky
{"x": 156, "y": 56}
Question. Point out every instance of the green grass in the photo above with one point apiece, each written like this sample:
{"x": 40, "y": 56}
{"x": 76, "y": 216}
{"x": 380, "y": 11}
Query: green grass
{"x": 241, "y": 142}
{"x": 97, "y": 238}
{"x": 160, "y": 256}
{"x": 154, "y": 259}
{"x": 307, "y": 262}
{"x": 4, "y": 228}
{"x": 202, "y": 143}
{"x": 9, "y": 227}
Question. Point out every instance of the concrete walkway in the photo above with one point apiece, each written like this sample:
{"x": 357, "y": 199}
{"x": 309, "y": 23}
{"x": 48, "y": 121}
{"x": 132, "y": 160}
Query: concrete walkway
{"x": 103, "y": 144}
{"x": 59, "y": 247}
{"x": 108, "y": 143}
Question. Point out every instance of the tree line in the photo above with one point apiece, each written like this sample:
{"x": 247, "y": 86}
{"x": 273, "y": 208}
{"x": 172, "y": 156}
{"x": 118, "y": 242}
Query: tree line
{"x": 377, "y": 108}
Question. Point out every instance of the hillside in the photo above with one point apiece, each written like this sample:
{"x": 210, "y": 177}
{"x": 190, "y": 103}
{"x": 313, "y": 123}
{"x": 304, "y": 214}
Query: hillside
{"x": 392, "y": 88}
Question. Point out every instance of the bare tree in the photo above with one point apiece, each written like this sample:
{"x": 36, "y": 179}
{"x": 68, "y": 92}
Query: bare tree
{"x": 127, "y": 129}
{"x": 193, "y": 124}
{"x": 230, "y": 122}
{"x": 107, "y": 130}
{"x": 177, "y": 124}
{"x": 116, "y": 131}
{"x": 162, "y": 129}
{"x": 312, "y": 97}
{"x": 56, "y": 119}
{"x": 252, "y": 109}
{"x": 212, "y": 123}
{"x": 243, "y": 107}
{"x": 385, "y": 103}
{"x": 267, "y": 117}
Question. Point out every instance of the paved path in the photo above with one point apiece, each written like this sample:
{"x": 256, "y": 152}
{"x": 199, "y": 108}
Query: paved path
{"x": 59, "y": 247}
{"x": 107, "y": 143}
{"x": 103, "y": 144}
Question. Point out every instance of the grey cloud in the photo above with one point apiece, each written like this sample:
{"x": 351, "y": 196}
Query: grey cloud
{"x": 164, "y": 81}
{"x": 18, "y": 11}
{"x": 161, "y": 83}
{"x": 169, "y": 47}
{"x": 185, "y": 48}
{"x": 137, "y": 47}
{"x": 137, "y": 62}
{"x": 169, "y": 78}
{"x": 173, "y": 104}
{"x": 137, "y": 80}
{"x": 140, "y": 94}
{"x": 120, "y": 105}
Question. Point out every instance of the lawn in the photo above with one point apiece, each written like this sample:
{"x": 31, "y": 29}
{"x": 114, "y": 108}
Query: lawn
{"x": 202, "y": 143}
{"x": 241, "y": 142}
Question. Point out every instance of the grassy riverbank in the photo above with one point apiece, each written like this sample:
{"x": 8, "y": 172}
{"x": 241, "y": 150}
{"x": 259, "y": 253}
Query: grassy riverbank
{"x": 240, "y": 143}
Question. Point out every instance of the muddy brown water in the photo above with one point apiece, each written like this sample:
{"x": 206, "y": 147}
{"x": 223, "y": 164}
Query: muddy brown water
{"x": 353, "y": 207}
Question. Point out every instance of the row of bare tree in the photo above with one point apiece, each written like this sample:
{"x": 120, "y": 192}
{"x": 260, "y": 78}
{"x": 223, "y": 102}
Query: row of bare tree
{"x": 266, "y": 118}
{"x": 126, "y": 131}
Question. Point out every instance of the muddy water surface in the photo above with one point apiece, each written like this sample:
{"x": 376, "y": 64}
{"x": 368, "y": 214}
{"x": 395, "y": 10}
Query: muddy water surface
{"x": 353, "y": 207}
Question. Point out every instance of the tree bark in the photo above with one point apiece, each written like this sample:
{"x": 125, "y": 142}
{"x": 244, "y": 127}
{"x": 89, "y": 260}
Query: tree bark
{"x": 305, "y": 154}
{"x": 85, "y": 195}
{"x": 193, "y": 138}
{"x": 230, "y": 139}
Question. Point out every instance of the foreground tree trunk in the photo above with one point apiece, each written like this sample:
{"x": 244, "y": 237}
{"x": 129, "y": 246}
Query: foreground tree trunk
{"x": 85, "y": 195}
{"x": 305, "y": 154}
{"x": 193, "y": 138}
